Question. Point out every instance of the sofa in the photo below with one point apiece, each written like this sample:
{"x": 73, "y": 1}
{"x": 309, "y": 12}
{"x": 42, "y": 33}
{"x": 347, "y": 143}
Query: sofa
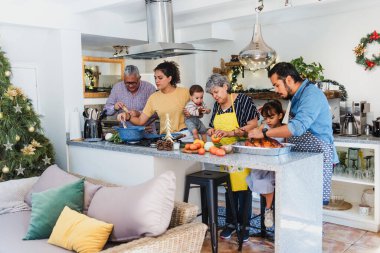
{"x": 182, "y": 234}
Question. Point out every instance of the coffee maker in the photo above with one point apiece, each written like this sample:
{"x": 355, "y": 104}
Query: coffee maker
{"x": 359, "y": 112}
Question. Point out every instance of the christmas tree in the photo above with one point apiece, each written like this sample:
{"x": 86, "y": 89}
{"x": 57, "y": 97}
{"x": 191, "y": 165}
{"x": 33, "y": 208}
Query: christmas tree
{"x": 24, "y": 150}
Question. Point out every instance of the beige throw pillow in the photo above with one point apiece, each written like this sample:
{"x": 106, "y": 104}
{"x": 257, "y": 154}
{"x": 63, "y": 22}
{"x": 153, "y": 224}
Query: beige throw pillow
{"x": 136, "y": 211}
{"x": 54, "y": 177}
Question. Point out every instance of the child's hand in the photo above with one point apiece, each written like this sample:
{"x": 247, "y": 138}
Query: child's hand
{"x": 206, "y": 110}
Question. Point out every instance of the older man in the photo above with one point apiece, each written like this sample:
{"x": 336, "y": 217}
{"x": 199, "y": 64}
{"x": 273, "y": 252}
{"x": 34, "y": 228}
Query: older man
{"x": 132, "y": 93}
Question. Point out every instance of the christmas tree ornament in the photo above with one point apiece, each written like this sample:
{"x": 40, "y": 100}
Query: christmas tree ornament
{"x": 17, "y": 108}
{"x": 8, "y": 146}
{"x": 7, "y": 73}
{"x": 31, "y": 129}
{"x": 1, "y": 115}
{"x": 36, "y": 144}
{"x": 5, "y": 169}
{"x": 28, "y": 150}
{"x": 46, "y": 160}
{"x": 28, "y": 108}
{"x": 17, "y": 137}
{"x": 20, "y": 170}
{"x": 168, "y": 128}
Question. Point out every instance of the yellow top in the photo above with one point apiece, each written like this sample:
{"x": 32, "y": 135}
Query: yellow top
{"x": 172, "y": 103}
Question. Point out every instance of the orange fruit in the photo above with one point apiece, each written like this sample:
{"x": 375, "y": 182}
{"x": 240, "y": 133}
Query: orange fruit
{"x": 193, "y": 147}
{"x": 213, "y": 150}
{"x": 220, "y": 152}
{"x": 201, "y": 151}
{"x": 200, "y": 142}
{"x": 198, "y": 145}
{"x": 187, "y": 146}
{"x": 215, "y": 138}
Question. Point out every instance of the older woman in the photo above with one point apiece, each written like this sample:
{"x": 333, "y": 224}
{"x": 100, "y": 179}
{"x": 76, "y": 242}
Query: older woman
{"x": 233, "y": 115}
{"x": 169, "y": 99}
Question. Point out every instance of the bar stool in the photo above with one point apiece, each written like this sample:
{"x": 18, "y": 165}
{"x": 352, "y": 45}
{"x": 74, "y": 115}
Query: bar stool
{"x": 208, "y": 181}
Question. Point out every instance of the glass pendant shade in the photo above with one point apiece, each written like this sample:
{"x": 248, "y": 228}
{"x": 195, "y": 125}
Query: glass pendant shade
{"x": 257, "y": 55}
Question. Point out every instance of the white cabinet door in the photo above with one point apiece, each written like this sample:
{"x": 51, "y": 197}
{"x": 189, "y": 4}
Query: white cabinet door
{"x": 25, "y": 77}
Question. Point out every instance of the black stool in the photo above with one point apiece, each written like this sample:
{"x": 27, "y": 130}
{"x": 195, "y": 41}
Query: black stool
{"x": 209, "y": 181}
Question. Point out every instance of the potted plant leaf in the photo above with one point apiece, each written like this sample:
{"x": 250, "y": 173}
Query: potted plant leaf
{"x": 312, "y": 71}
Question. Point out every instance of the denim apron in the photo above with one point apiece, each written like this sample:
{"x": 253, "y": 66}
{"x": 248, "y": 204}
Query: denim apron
{"x": 228, "y": 122}
{"x": 310, "y": 143}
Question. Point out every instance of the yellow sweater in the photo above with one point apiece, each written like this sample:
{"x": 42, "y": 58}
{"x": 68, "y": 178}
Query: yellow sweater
{"x": 172, "y": 103}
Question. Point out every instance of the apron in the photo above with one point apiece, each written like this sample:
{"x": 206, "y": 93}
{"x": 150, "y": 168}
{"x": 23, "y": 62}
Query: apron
{"x": 310, "y": 143}
{"x": 228, "y": 122}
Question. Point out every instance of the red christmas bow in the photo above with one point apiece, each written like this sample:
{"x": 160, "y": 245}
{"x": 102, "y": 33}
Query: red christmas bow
{"x": 370, "y": 64}
{"x": 374, "y": 36}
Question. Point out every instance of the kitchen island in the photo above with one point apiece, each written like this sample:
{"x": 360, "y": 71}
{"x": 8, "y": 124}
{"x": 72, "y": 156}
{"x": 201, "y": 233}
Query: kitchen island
{"x": 298, "y": 182}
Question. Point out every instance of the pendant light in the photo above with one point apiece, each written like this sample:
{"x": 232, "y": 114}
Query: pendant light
{"x": 257, "y": 55}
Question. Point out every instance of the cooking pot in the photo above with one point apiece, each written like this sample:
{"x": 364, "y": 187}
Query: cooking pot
{"x": 376, "y": 127}
{"x": 131, "y": 133}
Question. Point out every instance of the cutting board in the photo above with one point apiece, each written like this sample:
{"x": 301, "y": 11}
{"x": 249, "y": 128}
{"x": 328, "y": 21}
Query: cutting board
{"x": 188, "y": 151}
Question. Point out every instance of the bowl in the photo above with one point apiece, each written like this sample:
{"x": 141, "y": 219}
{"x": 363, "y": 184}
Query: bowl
{"x": 131, "y": 133}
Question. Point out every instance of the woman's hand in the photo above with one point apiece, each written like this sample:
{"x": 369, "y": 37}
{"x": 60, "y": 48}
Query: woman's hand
{"x": 123, "y": 117}
{"x": 210, "y": 131}
{"x": 221, "y": 133}
{"x": 255, "y": 133}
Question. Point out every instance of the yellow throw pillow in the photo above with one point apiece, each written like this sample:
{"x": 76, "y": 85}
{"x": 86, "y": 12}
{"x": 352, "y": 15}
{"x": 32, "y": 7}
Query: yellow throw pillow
{"x": 76, "y": 231}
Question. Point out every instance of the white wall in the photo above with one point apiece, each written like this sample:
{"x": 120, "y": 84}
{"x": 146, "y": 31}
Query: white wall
{"x": 328, "y": 40}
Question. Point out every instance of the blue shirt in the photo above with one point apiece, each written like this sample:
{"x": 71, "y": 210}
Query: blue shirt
{"x": 311, "y": 112}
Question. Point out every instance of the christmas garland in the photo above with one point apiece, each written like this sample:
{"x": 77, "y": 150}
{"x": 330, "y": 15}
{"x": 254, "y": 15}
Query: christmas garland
{"x": 368, "y": 63}
{"x": 342, "y": 89}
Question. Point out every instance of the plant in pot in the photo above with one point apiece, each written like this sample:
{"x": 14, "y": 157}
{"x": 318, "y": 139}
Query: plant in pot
{"x": 312, "y": 71}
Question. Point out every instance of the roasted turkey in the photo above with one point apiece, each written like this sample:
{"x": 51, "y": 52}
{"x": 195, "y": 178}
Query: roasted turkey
{"x": 263, "y": 143}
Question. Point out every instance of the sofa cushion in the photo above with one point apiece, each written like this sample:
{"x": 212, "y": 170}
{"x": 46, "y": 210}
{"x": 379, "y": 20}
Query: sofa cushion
{"x": 55, "y": 177}
{"x": 136, "y": 211}
{"x": 48, "y": 205}
{"x": 75, "y": 231}
{"x": 12, "y": 230}
{"x": 12, "y": 194}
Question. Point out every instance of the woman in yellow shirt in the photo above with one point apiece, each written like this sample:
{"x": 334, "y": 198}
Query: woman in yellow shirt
{"x": 169, "y": 99}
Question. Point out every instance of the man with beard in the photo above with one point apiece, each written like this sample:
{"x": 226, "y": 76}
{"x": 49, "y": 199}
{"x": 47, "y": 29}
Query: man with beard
{"x": 310, "y": 124}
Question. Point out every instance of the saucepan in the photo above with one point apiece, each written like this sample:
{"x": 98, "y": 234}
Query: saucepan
{"x": 131, "y": 133}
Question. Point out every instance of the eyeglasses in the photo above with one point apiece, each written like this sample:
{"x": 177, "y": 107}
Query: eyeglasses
{"x": 131, "y": 83}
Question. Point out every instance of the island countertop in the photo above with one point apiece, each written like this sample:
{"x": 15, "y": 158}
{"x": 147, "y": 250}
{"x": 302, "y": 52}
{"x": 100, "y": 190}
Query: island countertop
{"x": 235, "y": 159}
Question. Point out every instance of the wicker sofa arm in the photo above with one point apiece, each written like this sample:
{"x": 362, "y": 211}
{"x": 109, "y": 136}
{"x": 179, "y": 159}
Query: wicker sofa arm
{"x": 183, "y": 213}
{"x": 187, "y": 238}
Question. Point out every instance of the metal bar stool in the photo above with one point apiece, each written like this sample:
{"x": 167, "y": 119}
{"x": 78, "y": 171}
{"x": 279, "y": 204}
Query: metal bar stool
{"x": 209, "y": 181}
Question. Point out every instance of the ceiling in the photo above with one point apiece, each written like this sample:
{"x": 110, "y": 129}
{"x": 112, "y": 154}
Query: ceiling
{"x": 236, "y": 13}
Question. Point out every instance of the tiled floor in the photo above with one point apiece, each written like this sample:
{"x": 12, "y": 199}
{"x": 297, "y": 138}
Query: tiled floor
{"x": 336, "y": 239}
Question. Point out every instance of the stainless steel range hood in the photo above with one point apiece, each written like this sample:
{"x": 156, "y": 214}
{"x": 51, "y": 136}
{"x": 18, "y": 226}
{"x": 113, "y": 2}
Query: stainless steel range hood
{"x": 159, "y": 15}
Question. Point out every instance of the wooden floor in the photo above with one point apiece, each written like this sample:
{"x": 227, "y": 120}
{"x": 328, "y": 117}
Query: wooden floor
{"x": 336, "y": 239}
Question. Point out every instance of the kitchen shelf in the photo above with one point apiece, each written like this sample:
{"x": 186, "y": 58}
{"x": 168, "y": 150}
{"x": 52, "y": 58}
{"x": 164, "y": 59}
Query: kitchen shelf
{"x": 351, "y": 218}
{"x": 352, "y": 180}
{"x": 352, "y": 189}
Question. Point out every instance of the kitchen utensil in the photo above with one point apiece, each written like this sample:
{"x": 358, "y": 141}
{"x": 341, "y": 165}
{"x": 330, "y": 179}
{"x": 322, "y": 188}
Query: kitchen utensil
{"x": 376, "y": 127}
{"x": 92, "y": 130}
{"x": 367, "y": 129}
{"x": 349, "y": 126}
{"x": 131, "y": 134}
{"x": 124, "y": 124}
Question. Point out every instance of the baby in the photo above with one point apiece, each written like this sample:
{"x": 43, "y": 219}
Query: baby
{"x": 196, "y": 109}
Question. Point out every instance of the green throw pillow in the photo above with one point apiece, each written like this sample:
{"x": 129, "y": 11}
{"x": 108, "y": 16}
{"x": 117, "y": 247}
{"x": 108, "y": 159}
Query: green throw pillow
{"x": 48, "y": 205}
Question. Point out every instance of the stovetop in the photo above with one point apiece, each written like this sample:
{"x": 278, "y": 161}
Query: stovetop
{"x": 143, "y": 143}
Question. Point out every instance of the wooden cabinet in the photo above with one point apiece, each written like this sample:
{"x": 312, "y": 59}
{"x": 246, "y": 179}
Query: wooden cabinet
{"x": 360, "y": 172}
